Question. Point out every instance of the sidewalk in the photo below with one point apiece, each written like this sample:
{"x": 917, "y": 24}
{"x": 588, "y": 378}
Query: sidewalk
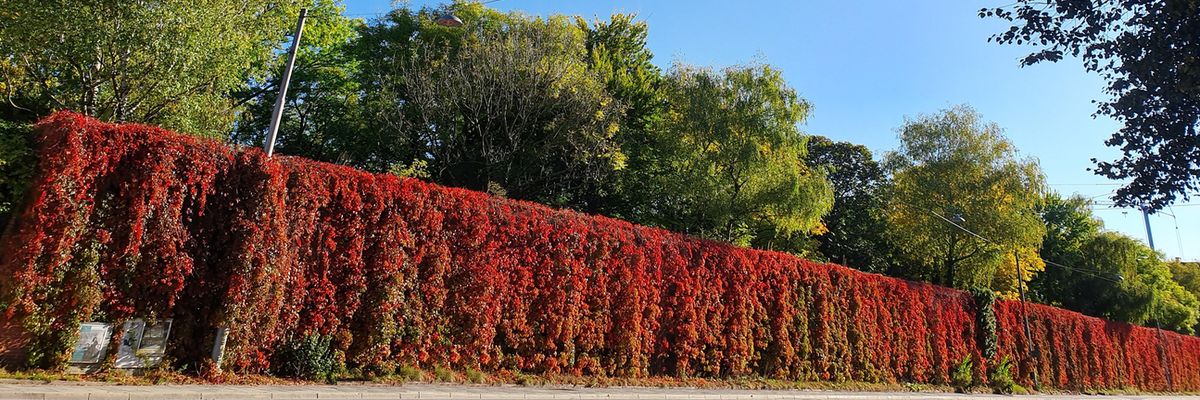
{"x": 96, "y": 391}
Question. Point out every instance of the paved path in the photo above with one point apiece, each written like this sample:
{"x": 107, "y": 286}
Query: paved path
{"x": 94, "y": 391}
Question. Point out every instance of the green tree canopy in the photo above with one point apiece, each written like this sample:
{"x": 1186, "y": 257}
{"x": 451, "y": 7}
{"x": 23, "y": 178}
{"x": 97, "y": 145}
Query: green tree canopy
{"x": 1107, "y": 274}
{"x": 733, "y": 157}
{"x": 324, "y": 116}
{"x": 954, "y": 166}
{"x": 1069, "y": 226}
{"x": 856, "y": 223}
{"x": 168, "y": 62}
{"x": 17, "y": 162}
{"x": 1133, "y": 284}
{"x": 617, "y": 54}
{"x": 1187, "y": 274}
{"x": 514, "y": 109}
{"x": 1148, "y": 53}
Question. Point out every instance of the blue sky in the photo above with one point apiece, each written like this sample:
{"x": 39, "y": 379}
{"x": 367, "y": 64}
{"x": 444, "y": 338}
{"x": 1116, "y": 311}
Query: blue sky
{"x": 867, "y": 65}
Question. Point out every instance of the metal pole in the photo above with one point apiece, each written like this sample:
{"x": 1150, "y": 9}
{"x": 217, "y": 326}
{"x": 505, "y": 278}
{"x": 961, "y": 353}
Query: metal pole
{"x": 1025, "y": 316}
{"x": 277, "y": 114}
{"x": 1162, "y": 343}
{"x": 1149, "y": 235}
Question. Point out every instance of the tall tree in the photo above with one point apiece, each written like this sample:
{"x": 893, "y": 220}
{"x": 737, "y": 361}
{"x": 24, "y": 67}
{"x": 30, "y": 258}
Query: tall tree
{"x": 1070, "y": 225}
{"x": 733, "y": 158}
{"x": 856, "y": 223}
{"x": 954, "y": 168}
{"x": 1108, "y": 274}
{"x": 170, "y": 62}
{"x": 1132, "y": 284}
{"x": 618, "y": 55}
{"x": 1187, "y": 275}
{"x": 512, "y": 108}
{"x": 1149, "y": 53}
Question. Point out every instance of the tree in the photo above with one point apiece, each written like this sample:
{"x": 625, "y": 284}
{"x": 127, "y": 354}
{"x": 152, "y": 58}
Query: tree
{"x": 169, "y": 62}
{"x": 323, "y": 116}
{"x": 1108, "y": 274}
{"x": 1148, "y": 53}
{"x": 1187, "y": 275}
{"x": 16, "y": 168}
{"x": 1131, "y": 283}
{"x": 512, "y": 109}
{"x": 617, "y": 54}
{"x": 732, "y": 157}
{"x": 856, "y": 222}
{"x": 950, "y": 166}
{"x": 1069, "y": 226}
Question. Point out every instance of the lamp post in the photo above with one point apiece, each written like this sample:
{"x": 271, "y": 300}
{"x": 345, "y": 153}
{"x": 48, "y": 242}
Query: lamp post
{"x": 277, "y": 113}
{"x": 222, "y": 333}
{"x": 1031, "y": 351}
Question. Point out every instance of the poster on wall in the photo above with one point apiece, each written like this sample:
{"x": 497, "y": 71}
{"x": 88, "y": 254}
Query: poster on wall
{"x": 92, "y": 341}
{"x": 142, "y": 345}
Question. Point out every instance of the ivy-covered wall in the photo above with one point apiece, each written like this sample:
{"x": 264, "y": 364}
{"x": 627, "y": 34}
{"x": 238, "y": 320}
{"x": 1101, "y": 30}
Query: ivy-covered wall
{"x": 134, "y": 221}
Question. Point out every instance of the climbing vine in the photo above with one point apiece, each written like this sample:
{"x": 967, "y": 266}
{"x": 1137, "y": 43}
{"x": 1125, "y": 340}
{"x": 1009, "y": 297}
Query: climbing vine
{"x": 132, "y": 221}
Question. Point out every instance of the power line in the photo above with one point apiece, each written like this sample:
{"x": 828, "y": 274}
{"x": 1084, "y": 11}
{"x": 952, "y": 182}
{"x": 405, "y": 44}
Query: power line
{"x": 1178, "y": 236}
{"x": 961, "y": 227}
{"x": 1079, "y": 270}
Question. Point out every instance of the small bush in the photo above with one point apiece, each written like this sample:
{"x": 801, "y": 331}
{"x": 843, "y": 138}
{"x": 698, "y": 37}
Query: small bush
{"x": 310, "y": 357}
{"x": 1000, "y": 377}
{"x": 961, "y": 377}
{"x": 526, "y": 380}
{"x": 443, "y": 374}
{"x": 475, "y": 376}
{"x": 409, "y": 373}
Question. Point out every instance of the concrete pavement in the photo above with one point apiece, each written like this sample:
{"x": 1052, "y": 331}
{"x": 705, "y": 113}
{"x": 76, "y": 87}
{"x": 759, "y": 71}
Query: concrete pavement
{"x": 95, "y": 391}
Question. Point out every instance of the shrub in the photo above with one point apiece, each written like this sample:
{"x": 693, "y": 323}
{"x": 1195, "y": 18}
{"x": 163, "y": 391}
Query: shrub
{"x": 443, "y": 374}
{"x": 310, "y": 357}
{"x": 1000, "y": 377}
{"x": 962, "y": 378}
{"x": 476, "y": 376}
{"x": 409, "y": 373}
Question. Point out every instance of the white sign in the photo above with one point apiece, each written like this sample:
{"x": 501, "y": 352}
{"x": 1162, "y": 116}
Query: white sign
{"x": 91, "y": 344}
{"x": 142, "y": 345}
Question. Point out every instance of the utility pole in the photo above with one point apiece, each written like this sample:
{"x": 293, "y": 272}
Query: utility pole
{"x": 1162, "y": 339}
{"x": 1025, "y": 315}
{"x": 1149, "y": 235}
{"x": 277, "y": 114}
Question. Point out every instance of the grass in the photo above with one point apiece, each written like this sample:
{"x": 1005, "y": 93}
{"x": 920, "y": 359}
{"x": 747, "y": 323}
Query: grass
{"x": 443, "y": 374}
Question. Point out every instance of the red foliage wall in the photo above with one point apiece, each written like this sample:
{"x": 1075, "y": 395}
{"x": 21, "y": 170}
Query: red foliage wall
{"x": 131, "y": 220}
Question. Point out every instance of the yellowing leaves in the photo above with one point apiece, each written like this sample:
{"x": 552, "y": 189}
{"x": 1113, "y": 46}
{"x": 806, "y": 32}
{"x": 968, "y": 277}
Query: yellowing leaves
{"x": 1006, "y": 277}
{"x": 955, "y": 169}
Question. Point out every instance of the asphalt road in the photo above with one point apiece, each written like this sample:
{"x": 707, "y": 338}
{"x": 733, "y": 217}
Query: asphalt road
{"x": 93, "y": 391}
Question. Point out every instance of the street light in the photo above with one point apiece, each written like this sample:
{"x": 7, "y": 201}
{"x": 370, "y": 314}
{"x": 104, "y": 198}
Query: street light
{"x": 450, "y": 20}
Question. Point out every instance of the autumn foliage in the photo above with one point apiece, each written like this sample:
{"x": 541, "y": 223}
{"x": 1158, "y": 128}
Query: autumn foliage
{"x": 134, "y": 221}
